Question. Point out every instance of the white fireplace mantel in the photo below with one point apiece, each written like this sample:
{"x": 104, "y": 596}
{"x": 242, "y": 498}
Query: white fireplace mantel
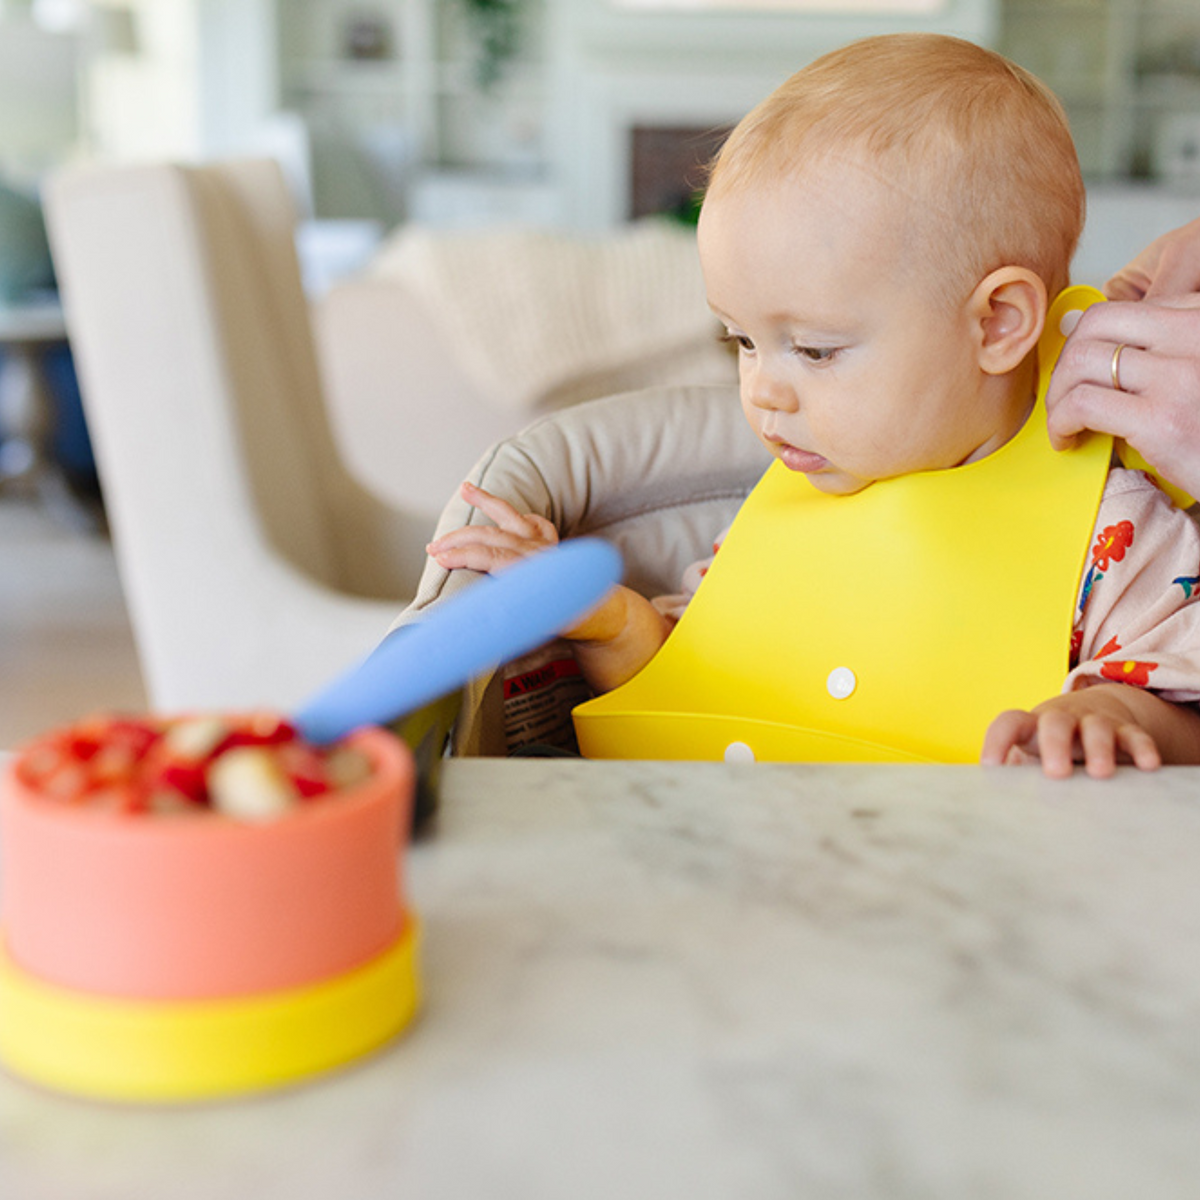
{"x": 617, "y": 66}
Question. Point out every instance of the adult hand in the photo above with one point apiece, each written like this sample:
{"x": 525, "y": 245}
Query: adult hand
{"x": 1156, "y": 409}
{"x": 1169, "y": 266}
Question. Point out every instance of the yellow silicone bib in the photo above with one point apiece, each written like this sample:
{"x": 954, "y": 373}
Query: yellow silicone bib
{"x": 890, "y": 625}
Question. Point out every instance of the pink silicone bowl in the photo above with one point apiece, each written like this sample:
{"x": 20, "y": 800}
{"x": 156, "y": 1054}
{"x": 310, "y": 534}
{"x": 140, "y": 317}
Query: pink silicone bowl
{"x": 189, "y": 908}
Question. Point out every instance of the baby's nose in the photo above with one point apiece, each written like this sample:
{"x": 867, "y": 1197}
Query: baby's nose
{"x": 764, "y": 390}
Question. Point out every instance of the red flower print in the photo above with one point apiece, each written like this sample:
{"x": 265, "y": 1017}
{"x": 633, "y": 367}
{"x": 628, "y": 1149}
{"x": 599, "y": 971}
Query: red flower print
{"x": 1136, "y": 673}
{"x": 1109, "y": 647}
{"x": 1112, "y": 543}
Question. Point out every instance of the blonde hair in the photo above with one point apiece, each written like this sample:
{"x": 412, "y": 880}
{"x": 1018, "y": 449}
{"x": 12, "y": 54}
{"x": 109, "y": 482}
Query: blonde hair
{"x": 979, "y": 145}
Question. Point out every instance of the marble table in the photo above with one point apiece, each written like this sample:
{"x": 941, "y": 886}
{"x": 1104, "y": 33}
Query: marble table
{"x": 751, "y": 982}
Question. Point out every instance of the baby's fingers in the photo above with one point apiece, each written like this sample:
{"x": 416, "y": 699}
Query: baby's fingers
{"x": 525, "y": 525}
{"x": 1015, "y": 737}
{"x": 1139, "y": 747}
{"x": 1057, "y": 741}
{"x": 1098, "y": 739}
{"x": 1105, "y": 742}
{"x": 480, "y": 548}
{"x": 1008, "y": 738}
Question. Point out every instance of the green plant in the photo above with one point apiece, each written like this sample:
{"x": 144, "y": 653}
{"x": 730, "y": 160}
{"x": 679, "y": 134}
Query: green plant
{"x": 497, "y": 27}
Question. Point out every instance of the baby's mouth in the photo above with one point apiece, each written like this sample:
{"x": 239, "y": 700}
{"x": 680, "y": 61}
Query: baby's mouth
{"x": 804, "y": 462}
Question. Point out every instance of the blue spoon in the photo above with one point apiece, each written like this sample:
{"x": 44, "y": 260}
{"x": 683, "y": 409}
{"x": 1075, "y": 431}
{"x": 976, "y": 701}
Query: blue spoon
{"x": 497, "y": 619}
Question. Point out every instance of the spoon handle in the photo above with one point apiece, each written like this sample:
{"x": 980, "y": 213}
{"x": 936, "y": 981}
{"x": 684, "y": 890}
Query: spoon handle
{"x": 497, "y": 619}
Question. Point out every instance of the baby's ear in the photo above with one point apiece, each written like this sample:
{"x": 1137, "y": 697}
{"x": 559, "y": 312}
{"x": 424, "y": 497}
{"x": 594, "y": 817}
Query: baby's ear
{"x": 1008, "y": 310}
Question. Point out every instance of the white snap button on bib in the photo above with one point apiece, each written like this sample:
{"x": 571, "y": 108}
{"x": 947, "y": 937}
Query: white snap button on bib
{"x": 841, "y": 683}
{"x": 738, "y": 752}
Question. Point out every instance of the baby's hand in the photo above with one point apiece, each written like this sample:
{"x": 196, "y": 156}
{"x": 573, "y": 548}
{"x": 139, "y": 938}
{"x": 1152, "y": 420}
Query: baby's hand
{"x": 1091, "y": 726}
{"x": 492, "y": 548}
{"x": 516, "y": 536}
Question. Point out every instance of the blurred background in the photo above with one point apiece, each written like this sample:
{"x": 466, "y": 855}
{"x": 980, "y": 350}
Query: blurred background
{"x": 570, "y": 111}
{"x": 579, "y": 114}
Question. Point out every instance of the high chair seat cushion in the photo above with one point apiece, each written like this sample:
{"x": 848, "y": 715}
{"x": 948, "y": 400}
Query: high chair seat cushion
{"x": 658, "y": 472}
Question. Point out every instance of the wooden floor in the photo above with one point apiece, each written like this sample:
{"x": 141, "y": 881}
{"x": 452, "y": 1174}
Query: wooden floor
{"x": 66, "y": 648}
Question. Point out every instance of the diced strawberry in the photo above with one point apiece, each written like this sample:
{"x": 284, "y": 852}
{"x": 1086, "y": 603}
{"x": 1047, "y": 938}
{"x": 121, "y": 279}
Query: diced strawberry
{"x": 67, "y": 782}
{"x": 112, "y": 762}
{"x": 82, "y": 747}
{"x": 186, "y": 779}
{"x": 260, "y": 729}
{"x": 38, "y": 762}
{"x": 305, "y": 768}
{"x": 138, "y": 736}
{"x": 102, "y": 729}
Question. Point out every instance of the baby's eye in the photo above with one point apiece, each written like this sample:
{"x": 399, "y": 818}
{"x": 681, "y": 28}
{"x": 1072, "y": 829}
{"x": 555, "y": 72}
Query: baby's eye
{"x": 740, "y": 340}
{"x": 817, "y": 354}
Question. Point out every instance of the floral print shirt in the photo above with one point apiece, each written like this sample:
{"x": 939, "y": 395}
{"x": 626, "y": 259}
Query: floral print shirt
{"x": 1137, "y": 618}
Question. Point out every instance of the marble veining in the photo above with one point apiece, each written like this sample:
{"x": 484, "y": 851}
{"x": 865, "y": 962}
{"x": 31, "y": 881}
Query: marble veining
{"x": 661, "y": 980}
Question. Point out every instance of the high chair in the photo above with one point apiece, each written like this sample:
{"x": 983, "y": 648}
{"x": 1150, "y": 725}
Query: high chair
{"x": 658, "y": 472}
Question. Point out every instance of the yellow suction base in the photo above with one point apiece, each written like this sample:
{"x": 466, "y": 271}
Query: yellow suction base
{"x": 138, "y": 1051}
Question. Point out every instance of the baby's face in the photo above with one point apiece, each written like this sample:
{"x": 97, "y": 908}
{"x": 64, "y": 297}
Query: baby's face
{"x": 851, "y": 369}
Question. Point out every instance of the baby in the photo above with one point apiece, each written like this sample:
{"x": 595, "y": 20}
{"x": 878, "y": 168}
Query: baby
{"x": 881, "y": 239}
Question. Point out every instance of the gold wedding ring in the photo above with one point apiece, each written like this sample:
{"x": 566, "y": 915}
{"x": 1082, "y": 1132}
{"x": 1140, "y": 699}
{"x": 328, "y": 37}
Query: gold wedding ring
{"x": 1115, "y": 368}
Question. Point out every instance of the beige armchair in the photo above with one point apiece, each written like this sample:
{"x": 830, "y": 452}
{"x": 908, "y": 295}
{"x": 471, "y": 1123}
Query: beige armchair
{"x": 254, "y": 565}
